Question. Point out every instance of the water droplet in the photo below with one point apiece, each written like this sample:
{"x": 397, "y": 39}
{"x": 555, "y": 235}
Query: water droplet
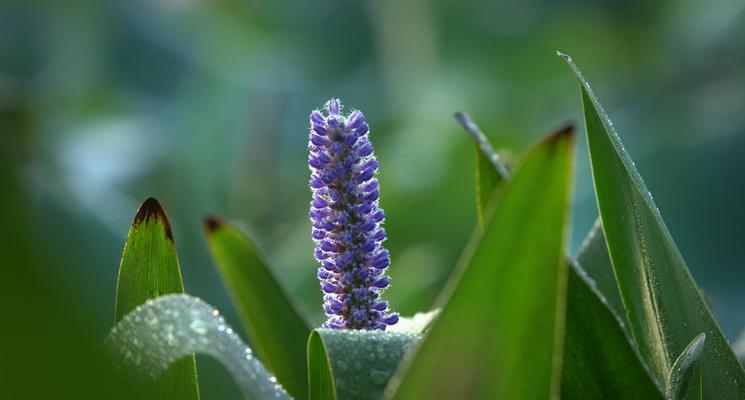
{"x": 171, "y": 339}
{"x": 378, "y": 377}
{"x": 197, "y": 326}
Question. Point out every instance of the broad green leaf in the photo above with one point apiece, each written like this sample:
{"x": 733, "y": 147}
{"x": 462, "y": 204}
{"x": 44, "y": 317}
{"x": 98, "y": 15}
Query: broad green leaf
{"x": 663, "y": 306}
{"x": 600, "y": 362}
{"x": 149, "y": 268}
{"x": 361, "y": 362}
{"x": 684, "y": 382}
{"x": 275, "y": 328}
{"x": 156, "y": 334}
{"x": 499, "y": 333}
{"x": 593, "y": 254}
{"x": 320, "y": 379}
{"x": 489, "y": 168}
{"x": 594, "y": 260}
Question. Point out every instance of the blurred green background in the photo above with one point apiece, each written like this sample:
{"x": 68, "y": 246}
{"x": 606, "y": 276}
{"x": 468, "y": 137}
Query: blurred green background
{"x": 204, "y": 105}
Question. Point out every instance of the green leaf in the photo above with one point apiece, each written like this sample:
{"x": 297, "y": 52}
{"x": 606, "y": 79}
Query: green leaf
{"x": 663, "y": 305}
{"x": 361, "y": 362}
{"x": 599, "y": 360}
{"x": 489, "y": 168}
{"x": 149, "y": 268}
{"x": 321, "y": 384}
{"x": 275, "y": 328}
{"x": 684, "y": 382}
{"x": 593, "y": 254}
{"x": 163, "y": 330}
{"x": 499, "y": 333}
{"x": 594, "y": 260}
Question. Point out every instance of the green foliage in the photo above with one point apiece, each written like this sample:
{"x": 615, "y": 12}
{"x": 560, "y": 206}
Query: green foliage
{"x": 684, "y": 382}
{"x": 205, "y": 104}
{"x": 603, "y": 362}
{"x": 664, "y": 308}
{"x": 519, "y": 319}
{"x": 600, "y": 362}
{"x": 504, "y": 312}
{"x": 275, "y": 328}
{"x": 149, "y": 268}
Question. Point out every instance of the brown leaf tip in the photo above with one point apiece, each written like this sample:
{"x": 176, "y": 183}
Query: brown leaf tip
{"x": 566, "y": 129}
{"x": 212, "y": 223}
{"x": 152, "y": 210}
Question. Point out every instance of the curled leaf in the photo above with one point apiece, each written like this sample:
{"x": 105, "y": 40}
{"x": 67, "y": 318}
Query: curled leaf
{"x": 168, "y": 328}
{"x": 362, "y": 362}
{"x": 684, "y": 382}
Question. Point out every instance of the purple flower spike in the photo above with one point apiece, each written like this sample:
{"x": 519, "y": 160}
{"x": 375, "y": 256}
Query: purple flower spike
{"x": 347, "y": 220}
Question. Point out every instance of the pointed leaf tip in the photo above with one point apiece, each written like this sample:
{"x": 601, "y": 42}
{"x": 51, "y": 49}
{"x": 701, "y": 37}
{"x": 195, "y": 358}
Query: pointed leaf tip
{"x": 149, "y": 268}
{"x": 462, "y": 118}
{"x": 684, "y": 379}
{"x": 150, "y": 209}
{"x": 697, "y": 345}
{"x": 212, "y": 223}
{"x": 485, "y": 148}
{"x": 565, "y": 130}
{"x": 565, "y": 56}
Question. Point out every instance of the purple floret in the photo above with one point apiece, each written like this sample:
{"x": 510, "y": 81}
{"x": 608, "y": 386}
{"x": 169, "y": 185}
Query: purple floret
{"x": 347, "y": 220}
